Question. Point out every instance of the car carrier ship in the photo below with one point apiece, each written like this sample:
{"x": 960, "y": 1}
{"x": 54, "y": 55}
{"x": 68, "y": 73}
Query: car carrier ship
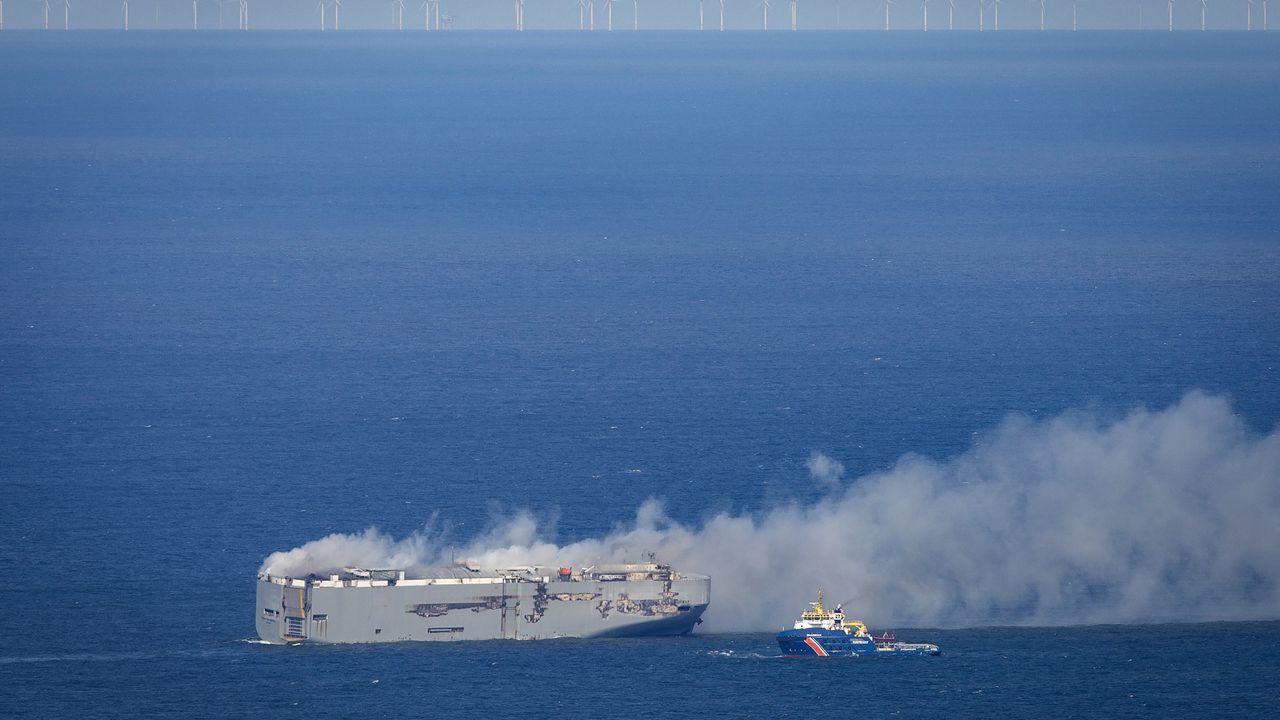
{"x": 465, "y": 602}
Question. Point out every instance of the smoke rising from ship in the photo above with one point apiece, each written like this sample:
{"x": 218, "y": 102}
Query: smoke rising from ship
{"x": 1166, "y": 515}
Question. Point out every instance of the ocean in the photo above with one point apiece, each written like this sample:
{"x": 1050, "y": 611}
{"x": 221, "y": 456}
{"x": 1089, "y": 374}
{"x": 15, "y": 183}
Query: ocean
{"x": 260, "y": 288}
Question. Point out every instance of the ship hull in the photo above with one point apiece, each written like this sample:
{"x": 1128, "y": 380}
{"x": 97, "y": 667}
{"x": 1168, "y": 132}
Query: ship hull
{"x": 835, "y": 643}
{"x": 816, "y": 642}
{"x": 295, "y": 610}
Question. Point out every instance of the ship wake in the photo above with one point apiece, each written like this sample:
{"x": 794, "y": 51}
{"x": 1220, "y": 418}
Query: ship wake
{"x": 1155, "y": 516}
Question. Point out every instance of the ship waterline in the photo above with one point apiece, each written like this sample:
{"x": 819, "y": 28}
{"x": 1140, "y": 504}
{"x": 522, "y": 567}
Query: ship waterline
{"x": 467, "y": 603}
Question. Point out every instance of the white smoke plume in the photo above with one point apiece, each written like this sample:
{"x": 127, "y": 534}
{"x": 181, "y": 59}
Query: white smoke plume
{"x": 826, "y": 471}
{"x": 1158, "y": 516}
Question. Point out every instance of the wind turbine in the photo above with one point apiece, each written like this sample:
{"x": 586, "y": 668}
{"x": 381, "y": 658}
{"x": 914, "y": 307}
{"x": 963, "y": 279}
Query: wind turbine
{"x": 794, "y": 13}
{"x": 887, "y": 4}
{"x": 591, "y": 13}
{"x": 608, "y": 6}
{"x": 44, "y": 14}
{"x": 721, "y": 15}
{"x": 1204, "y": 7}
{"x": 337, "y": 4}
{"x": 66, "y": 14}
{"x": 1041, "y": 15}
{"x": 244, "y": 14}
{"x": 195, "y": 15}
{"x": 1, "y": 14}
{"x": 996, "y": 4}
{"x": 1075, "y": 16}
{"x": 982, "y": 15}
{"x": 125, "y": 5}
{"x": 397, "y": 13}
{"x": 582, "y": 14}
{"x": 701, "y": 24}
{"x": 925, "y": 4}
{"x": 1170, "y": 15}
{"x": 519, "y": 15}
{"x": 635, "y": 13}
{"x": 1249, "y": 9}
{"x": 765, "y": 5}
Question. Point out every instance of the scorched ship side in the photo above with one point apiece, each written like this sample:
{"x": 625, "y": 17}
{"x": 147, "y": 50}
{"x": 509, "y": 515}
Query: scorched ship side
{"x": 466, "y": 603}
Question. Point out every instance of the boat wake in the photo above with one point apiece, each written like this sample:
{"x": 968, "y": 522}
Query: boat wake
{"x": 76, "y": 658}
{"x": 734, "y": 655}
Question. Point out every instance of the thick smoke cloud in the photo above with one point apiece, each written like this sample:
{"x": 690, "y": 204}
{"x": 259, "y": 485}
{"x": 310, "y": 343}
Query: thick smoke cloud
{"x": 1157, "y": 516}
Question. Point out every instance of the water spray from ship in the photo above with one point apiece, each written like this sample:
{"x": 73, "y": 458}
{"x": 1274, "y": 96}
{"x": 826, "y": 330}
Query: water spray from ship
{"x": 1155, "y": 516}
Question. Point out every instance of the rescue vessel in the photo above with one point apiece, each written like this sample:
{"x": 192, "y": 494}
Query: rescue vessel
{"x": 823, "y": 633}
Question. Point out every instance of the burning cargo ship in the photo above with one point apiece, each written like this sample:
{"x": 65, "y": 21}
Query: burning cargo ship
{"x": 465, "y": 602}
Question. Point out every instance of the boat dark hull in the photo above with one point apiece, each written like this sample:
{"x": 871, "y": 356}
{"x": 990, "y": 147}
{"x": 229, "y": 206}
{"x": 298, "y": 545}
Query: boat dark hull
{"x": 824, "y": 643}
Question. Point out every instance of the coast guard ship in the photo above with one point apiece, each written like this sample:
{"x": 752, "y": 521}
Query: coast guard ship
{"x": 823, "y": 633}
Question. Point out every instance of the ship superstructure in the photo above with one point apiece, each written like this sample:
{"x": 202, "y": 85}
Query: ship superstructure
{"x": 465, "y": 602}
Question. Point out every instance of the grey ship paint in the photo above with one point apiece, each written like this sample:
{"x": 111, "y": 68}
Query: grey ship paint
{"x": 467, "y": 603}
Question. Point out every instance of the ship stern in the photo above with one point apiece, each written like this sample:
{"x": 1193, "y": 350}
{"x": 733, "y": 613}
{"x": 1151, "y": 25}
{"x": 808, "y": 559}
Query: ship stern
{"x": 268, "y": 613}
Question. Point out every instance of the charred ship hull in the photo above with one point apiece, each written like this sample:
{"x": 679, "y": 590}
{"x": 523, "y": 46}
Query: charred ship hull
{"x": 462, "y": 603}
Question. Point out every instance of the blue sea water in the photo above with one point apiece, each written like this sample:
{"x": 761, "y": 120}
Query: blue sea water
{"x": 259, "y": 288}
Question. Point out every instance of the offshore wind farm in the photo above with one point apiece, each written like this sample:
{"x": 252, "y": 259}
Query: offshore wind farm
{"x": 666, "y": 15}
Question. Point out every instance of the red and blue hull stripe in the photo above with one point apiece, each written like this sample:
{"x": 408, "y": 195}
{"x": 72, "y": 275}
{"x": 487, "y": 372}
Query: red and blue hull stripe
{"x": 823, "y": 643}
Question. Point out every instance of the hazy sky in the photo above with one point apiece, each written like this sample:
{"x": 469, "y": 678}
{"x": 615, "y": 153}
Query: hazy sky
{"x": 654, "y": 14}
